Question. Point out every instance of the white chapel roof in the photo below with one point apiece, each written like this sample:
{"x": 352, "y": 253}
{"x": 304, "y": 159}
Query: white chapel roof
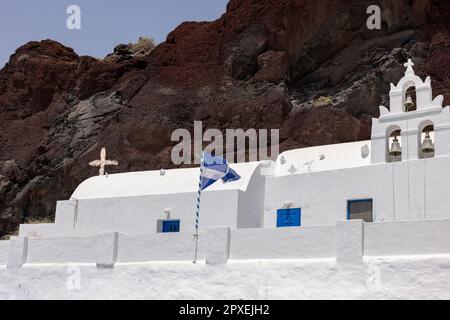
{"x": 322, "y": 158}
{"x": 298, "y": 161}
{"x": 144, "y": 183}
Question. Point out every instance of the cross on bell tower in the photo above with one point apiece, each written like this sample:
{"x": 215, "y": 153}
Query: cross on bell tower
{"x": 409, "y": 65}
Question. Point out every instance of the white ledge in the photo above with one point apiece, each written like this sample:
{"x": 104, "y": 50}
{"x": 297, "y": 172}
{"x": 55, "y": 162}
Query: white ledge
{"x": 410, "y": 114}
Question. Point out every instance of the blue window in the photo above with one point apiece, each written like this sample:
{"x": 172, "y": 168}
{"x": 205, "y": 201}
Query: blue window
{"x": 171, "y": 226}
{"x": 289, "y": 217}
{"x": 360, "y": 209}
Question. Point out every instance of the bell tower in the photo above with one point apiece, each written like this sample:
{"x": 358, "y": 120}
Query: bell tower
{"x": 415, "y": 126}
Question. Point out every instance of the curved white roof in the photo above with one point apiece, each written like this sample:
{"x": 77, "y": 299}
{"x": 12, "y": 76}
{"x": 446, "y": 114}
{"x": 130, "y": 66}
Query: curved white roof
{"x": 322, "y": 158}
{"x": 151, "y": 183}
{"x": 299, "y": 161}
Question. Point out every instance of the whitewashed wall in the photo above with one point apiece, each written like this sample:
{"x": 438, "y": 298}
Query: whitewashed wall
{"x": 140, "y": 214}
{"x": 348, "y": 241}
{"x": 63, "y": 250}
{"x": 42, "y": 230}
{"x": 323, "y": 196}
{"x": 137, "y": 215}
{"x": 4, "y": 249}
{"x": 251, "y": 204}
{"x": 407, "y": 238}
{"x": 64, "y": 226}
{"x": 158, "y": 247}
{"x": 310, "y": 242}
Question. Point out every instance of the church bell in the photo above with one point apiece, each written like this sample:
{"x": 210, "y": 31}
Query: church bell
{"x": 408, "y": 103}
{"x": 395, "y": 150}
{"x": 427, "y": 145}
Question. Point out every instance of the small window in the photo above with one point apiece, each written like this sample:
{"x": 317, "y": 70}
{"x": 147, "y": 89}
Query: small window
{"x": 360, "y": 209}
{"x": 289, "y": 217}
{"x": 170, "y": 226}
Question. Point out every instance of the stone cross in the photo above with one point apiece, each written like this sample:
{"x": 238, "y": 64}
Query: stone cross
{"x": 102, "y": 163}
{"x": 409, "y": 66}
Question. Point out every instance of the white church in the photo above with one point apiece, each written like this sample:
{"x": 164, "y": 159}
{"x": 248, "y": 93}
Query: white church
{"x": 385, "y": 196}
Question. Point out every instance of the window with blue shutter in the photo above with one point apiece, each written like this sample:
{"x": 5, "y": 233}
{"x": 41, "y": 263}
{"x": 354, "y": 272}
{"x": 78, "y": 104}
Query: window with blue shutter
{"x": 289, "y": 217}
{"x": 171, "y": 226}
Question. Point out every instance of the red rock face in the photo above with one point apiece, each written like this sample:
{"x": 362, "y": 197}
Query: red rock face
{"x": 309, "y": 68}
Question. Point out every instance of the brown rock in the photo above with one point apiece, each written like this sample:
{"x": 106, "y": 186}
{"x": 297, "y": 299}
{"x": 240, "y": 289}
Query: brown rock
{"x": 272, "y": 67}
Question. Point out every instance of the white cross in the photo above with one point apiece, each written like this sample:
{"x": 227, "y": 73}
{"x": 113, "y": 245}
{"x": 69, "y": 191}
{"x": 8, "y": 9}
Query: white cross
{"x": 102, "y": 163}
{"x": 409, "y": 66}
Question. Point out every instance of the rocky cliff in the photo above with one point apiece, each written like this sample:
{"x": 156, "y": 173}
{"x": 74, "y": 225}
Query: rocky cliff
{"x": 311, "y": 68}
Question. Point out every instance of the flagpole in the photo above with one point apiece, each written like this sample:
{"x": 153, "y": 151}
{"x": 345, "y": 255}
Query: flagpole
{"x": 197, "y": 214}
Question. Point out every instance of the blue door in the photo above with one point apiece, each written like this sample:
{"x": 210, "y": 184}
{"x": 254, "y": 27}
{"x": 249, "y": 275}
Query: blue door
{"x": 171, "y": 226}
{"x": 289, "y": 217}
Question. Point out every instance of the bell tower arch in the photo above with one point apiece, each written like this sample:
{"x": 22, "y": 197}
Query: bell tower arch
{"x": 412, "y": 112}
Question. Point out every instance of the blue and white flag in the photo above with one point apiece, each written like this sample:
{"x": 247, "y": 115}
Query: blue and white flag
{"x": 212, "y": 169}
{"x": 215, "y": 168}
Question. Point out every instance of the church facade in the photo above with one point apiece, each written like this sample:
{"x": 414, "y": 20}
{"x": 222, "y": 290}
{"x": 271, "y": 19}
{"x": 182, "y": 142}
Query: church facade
{"x": 401, "y": 174}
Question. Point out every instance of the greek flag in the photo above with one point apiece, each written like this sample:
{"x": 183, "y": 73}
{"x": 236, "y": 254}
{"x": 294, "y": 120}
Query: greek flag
{"x": 212, "y": 169}
{"x": 215, "y": 168}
